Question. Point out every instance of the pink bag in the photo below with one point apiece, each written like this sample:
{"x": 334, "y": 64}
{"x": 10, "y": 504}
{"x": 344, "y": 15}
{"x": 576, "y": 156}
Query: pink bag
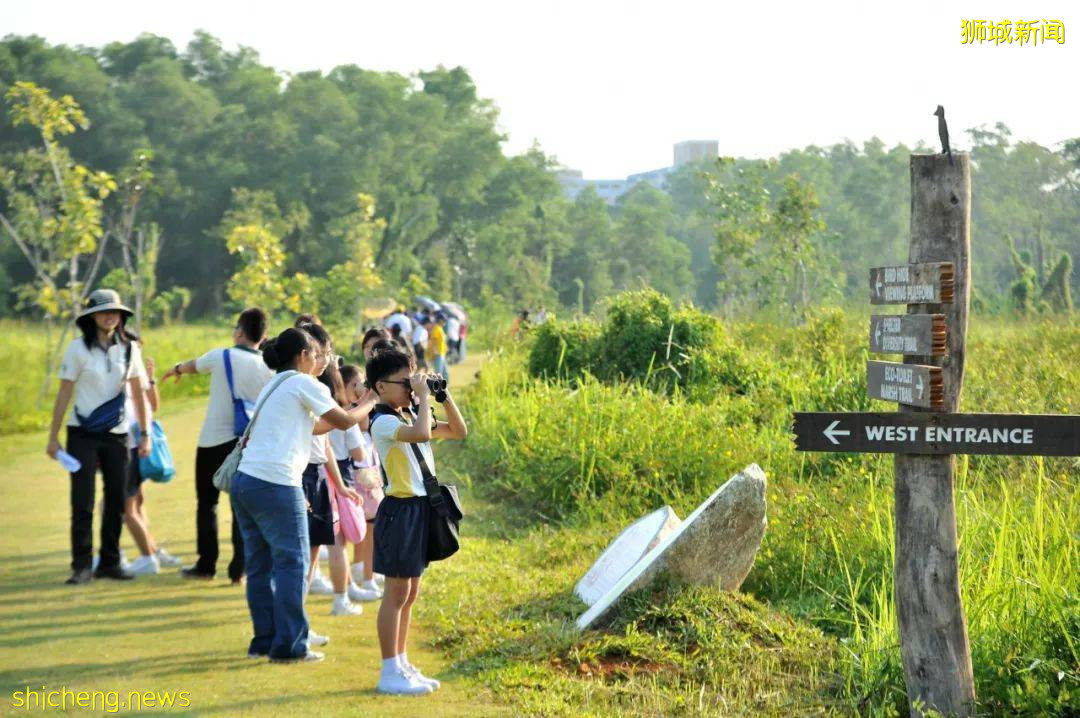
{"x": 350, "y": 524}
{"x": 373, "y": 496}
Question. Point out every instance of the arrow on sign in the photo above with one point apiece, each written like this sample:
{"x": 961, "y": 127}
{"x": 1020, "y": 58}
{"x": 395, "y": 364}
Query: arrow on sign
{"x": 919, "y": 386}
{"x": 831, "y": 432}
{"x": 877, "y": 334}
{"x": 877, "y": 286}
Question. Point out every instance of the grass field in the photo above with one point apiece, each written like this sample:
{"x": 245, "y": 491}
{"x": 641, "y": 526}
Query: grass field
{"x": 162, "y": 633}
{"x": 552, "y": 470}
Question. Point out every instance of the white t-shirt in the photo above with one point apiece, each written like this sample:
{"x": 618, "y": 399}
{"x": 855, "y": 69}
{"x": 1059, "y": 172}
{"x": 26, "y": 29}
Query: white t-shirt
{"x": 133, "y": 424}
{"x": 453, "y": 329}
{"x": 403, "y": 475}
{"x": 318, "y": 450}
{"x": 344, "y": 441}
{"x": 400, "y": 320}
{"x": 420, "y": 335}
{"x": 99, "y": 376}
{"x": 250, "y": 375}
{"x": 280, "y": 443}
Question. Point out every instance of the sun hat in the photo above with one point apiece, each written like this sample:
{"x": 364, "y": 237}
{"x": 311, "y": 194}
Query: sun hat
{"x": 103, "y": 300}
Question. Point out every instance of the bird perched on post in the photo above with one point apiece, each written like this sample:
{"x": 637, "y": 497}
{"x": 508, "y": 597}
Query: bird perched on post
{"x": 943, "y": 132}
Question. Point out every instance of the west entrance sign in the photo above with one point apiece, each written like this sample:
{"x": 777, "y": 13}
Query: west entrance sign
{"x": 939, "y": 433}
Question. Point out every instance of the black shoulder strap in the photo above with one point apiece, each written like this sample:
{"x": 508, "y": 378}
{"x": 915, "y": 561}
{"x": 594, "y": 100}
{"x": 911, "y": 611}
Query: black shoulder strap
{"x": 431, "y": 484}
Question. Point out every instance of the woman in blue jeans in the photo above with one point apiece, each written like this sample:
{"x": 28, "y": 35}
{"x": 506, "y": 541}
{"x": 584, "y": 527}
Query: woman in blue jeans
{"x": 268, "y": 498}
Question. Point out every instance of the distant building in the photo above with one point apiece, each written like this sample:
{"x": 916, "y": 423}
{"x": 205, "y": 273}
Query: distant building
{"x": 696, "y": 151}
{"x": 573, "y": 182}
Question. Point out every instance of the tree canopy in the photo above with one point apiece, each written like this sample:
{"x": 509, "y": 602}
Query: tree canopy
{"x": 245, "y": 156}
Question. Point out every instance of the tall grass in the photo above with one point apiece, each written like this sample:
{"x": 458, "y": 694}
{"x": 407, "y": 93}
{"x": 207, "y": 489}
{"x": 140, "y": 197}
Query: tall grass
{"x": 588, "y": 453}
{"x": 22, "y": 358}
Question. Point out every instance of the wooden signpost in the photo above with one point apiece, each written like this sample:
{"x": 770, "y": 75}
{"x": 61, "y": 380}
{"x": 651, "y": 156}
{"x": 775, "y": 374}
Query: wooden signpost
{"x": 929, "y": 283}
{"x": 910, "y": 334}
{"x": 911, "y": 384}
{"x": 939, "y": 433}
{"x": 927, "y": 432}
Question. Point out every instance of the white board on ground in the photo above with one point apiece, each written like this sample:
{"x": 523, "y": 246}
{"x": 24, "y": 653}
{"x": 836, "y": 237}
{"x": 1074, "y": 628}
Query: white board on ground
{"x": 714, "y": 546}
{"x": 635, "y": 541}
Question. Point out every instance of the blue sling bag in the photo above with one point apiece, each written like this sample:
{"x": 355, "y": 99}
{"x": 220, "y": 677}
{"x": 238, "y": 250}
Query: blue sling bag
{"x": 107, "y": 416}
{"x": 242, "y": 409}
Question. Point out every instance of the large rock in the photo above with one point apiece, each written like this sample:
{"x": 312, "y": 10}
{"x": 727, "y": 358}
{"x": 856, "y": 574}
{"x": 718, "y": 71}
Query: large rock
{"x": 624, "y": 552}
{"x": 715, "y": 545}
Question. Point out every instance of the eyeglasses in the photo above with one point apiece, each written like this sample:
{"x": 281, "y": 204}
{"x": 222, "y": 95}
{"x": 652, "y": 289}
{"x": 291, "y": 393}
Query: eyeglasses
{"x": 403, "y": 382}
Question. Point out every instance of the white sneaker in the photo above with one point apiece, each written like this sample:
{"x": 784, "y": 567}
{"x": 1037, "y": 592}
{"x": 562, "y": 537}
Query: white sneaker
{"x": 345, "y": 607}
{"x": 364, "y": 594}
{"x": 324, "y": 553}
{"x": 401, "y": 683}
{"x": 372, "y": 586}
{"x": 419, "y": 677}
{"x": 97, "y": 559}
{"x": 166, "y": 559}
{"x": 144, "y": 565}
{"x": 321, "y": 586}
{"x": 357, "y": 572}
{"x": 379, "y": 579}
{"x": 316, "y": 639}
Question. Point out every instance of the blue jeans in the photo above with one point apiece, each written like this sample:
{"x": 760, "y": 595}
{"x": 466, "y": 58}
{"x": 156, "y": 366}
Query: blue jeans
{"x": 439, "y": 366}
{"x": 273, "y": 523}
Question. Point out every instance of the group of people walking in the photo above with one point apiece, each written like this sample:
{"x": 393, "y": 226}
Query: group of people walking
{"x": 321, "y": 443}
{"x": 436, "y": 339}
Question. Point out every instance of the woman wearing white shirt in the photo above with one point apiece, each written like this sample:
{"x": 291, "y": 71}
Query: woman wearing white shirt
{"x": 95, "y": 369}
{"x": 269, "y": 502}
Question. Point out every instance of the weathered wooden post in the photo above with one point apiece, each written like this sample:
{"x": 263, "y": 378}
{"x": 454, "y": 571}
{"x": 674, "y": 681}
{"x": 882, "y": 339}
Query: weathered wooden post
{"x": 928, "y": 431}
{"x": 933, "y": 629}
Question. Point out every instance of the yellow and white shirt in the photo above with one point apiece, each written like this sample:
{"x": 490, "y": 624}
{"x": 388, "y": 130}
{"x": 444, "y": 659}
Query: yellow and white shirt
{"x": 403, "y": 474}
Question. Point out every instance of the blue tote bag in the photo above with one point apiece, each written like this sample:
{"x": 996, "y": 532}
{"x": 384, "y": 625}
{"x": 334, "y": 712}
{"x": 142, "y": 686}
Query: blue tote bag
{"x": 158, "y": 466}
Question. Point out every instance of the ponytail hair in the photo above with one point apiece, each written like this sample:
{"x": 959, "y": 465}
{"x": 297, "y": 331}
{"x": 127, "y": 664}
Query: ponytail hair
{"x": 280, "y": 353}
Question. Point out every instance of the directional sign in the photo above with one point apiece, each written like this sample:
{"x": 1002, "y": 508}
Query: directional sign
{"x": 940, "y": 433}
{"x": 911, "y": 334}
{"x": 911, "y": 384}
{"x": 931, "y": 283}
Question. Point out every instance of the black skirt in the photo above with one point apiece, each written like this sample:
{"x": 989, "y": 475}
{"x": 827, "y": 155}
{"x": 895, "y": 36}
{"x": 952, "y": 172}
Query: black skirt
{"x": 345, "y": 469}
{"x": 134, "y": 476}
{"x": 320, "y": 511}
{"x": 401, "y": 536}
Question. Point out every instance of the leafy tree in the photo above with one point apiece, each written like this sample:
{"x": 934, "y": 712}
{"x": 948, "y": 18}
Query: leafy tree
{"x": 53, "y": 211}
{"x": 341, "y": 293}
{"x": 652, "y": 256}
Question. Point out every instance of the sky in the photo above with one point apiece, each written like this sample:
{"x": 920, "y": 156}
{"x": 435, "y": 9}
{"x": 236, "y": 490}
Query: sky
{"x": 607, "y": 87}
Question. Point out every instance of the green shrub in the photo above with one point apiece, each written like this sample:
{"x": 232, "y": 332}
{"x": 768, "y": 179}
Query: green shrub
{"x": 563, "y": 349}
{"x": 644, "y": 339}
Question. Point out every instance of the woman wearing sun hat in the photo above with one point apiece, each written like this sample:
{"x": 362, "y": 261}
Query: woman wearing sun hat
{"x": 94, "y": 371}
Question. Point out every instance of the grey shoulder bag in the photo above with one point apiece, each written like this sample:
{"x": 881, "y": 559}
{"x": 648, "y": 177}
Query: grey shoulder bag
{"x": 223, "y": 477}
